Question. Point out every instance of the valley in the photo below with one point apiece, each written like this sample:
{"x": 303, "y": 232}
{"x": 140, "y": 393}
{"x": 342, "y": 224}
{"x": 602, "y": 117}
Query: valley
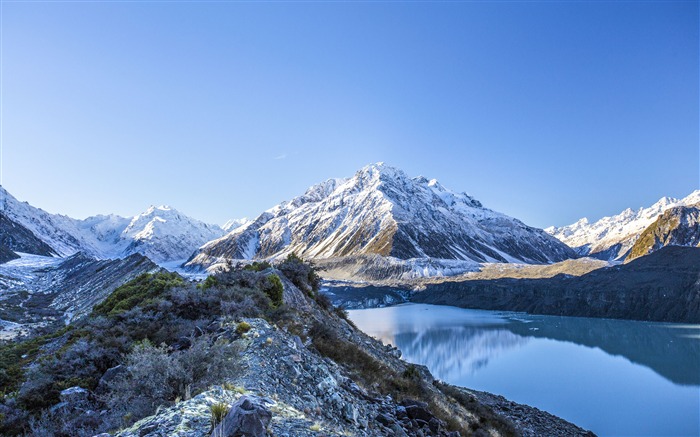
{"x": 375, "y": 240}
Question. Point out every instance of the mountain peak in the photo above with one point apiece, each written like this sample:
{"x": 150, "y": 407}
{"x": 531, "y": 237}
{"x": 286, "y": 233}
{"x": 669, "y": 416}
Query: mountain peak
{"x": 381, "y": 211}
{"x": 612, "y": 237}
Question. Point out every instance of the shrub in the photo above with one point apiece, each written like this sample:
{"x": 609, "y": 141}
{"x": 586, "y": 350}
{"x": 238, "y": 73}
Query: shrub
{"x": 157, "y": 376}
{"x": 140, "y": 291}
{"x": 302, "y": 274}
{"x": 243, "y": 327}
{"x": 218, "y": 412}
{"x": 257, "y": 266}
{"x": 411, "y": 372}
{"x": 324, "y": 301}
{"x": 274, "y": 289}
{"x": 211, "y": 281}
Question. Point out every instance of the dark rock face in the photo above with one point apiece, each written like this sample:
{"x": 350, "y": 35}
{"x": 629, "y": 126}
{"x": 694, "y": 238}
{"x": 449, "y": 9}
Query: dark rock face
{"x": 16, "y": 237}
{"x": 663, "y": 286}
{"x": 6, "y": 254}
{"x": 678, "y": 226}
{"x": 248, "y": 417}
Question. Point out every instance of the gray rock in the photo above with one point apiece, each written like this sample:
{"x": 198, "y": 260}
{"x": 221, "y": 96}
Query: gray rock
{"x": 248, "y": 417}
{"x": 74, "y": 395}
{"x": 434, "y": 425}
{"x": 350, "y": 413}
{"x": 418, "y": 412}
{"x": 109, "y": 376}
{"x": 385, "y": 419}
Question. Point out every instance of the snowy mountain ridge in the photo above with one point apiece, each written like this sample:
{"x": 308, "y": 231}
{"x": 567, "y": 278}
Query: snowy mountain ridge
{"x": 161, "y": 233}
{"x": 382, "y": 211}
{"x": 612, "y": 237}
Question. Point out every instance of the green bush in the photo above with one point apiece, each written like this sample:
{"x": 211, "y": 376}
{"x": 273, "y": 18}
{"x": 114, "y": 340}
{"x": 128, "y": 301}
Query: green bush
{"x": 274, "y": 289}
{"x": 411, "y": 372}
{"x": 140, "y": 291}
{"x": 257, "y": 266}
{"x": 243, "y": 327}
{"x": 302, "y": 274}
{"x": 211, "y": 281}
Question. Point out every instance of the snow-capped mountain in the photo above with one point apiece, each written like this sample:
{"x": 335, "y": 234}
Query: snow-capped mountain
{"x": 161, "y": 233}
{"x": 381, "y": 211}
{"x": 235, "y": 224}
{"x": 612, "y": 237}
{"x": 164, "y": 234}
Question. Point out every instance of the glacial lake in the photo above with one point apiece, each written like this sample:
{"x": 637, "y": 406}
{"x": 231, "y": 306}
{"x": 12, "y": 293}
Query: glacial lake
{"x": 613, "y": 377}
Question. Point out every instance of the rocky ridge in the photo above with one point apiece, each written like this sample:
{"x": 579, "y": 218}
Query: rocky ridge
{"x": 309, "y": 394}
{"x": 53, "y": 292}
{"x": 677, "y": 226}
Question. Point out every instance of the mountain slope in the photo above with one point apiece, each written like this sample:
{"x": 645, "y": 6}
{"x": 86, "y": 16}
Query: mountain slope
{"x": 161, "y": 233}
{"x": 612, "y": 237}
{"x": 381, "y": 211}
{"x": 678, "y": 226}
{"x": 41, "y": 292}
{"x": 15, "y": 237}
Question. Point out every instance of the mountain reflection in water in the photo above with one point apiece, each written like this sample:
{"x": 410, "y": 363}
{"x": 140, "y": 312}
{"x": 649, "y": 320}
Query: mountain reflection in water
{"x": 614, "y": 377}
{"x": 454, "y": 341}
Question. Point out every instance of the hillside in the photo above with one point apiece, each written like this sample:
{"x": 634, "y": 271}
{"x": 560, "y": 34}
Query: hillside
{"x": 677, "y": 226}
{"x": 162, "y": 356}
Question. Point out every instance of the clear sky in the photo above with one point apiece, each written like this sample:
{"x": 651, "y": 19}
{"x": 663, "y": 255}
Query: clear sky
{"x": 547, "y": 111}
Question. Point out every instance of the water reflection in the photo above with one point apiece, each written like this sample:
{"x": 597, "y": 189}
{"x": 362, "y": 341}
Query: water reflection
{"x": 451, "y": 352}
{"x": 614, "y": 377}
{"x": 454, "y": 341}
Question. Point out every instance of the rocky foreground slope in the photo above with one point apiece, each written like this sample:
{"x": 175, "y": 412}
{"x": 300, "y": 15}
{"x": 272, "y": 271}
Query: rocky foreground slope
{"x": 238, "y": 357}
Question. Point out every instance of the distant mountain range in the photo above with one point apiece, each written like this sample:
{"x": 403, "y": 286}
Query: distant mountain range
{"x": 381, "y": 211}
{"x": 161, "y": 233}
{"x": 612, "y": 237}
{"x": 379, "y": 223}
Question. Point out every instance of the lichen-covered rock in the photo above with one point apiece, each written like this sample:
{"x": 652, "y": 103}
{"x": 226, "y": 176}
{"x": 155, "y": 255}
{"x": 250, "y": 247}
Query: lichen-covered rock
{"x": 249, "y": 417}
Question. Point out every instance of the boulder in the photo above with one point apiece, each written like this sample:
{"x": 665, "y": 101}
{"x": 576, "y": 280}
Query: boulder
{"x": 248, "y": 417}
{"x": 108, "y": 377}
{"x": 418, "y": 412}
{"x": 74, "y": 395}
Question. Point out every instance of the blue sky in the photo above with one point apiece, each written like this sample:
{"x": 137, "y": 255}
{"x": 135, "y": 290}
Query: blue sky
{"x": 547, "y": 111}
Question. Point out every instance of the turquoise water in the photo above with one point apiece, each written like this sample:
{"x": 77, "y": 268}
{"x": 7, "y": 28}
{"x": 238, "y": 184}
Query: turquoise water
{"x": 614, "y": 377}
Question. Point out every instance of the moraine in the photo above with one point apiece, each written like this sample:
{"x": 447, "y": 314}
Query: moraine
{"x": 615, "y": 377}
